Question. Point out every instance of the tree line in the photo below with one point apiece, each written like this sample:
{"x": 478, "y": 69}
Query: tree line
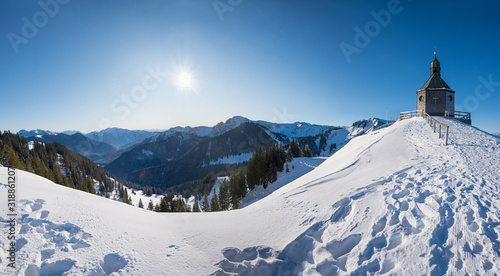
{"x": 261, "y": 170}
{"x": 56, "y": 163}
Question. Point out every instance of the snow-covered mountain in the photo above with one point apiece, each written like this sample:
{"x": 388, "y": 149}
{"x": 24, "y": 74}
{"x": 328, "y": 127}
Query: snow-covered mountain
{"x": 183, "y": 156}
{"x": 231, "y": 123}
{"x": 121, "y": 138}
{"x": 34, "y": 133}
{"x": 297, "y": 129}
{"x": 291, "y": 130}
{"x": 94, "y": 150}
{"x": 395, "y": 202}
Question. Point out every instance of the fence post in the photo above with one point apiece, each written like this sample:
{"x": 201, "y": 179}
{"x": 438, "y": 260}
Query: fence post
{"x": 440, "y": 131}
{"x": 446, "y": 138}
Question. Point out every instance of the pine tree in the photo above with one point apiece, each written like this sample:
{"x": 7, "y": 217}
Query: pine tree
{"x": 156, "y": 208}
{"x": 164, "y": 205}
{"x": 235, "y": 203}
{"x": 306, "y": 152}
{"x": 11, "y": 159}
{"x": 215, "y": 207}
{"x": 238, "y": 188}
{"x": 125, "y": 196}
{"x": 140, "y": 205}
{"x": 150, "y": 205}
{"x": 196, "y": 206}
{"x": 205, "y": 206}
{"x": 294, "y": 149}
{"x": 89, "y": 187}
{"x": 224, "y": 196}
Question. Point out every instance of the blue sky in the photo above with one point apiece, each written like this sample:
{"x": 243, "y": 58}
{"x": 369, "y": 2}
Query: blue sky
{"x": 91, "y": 64}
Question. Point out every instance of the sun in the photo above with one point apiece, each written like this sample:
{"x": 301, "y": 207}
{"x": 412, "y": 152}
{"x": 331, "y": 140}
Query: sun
{"x": 185, "y": 80}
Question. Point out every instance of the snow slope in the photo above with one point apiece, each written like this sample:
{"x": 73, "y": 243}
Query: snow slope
{"x": 393, "y": 201}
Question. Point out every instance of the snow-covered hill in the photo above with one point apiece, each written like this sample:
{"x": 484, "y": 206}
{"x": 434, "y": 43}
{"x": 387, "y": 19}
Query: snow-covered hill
{"x": 394, "y": 201}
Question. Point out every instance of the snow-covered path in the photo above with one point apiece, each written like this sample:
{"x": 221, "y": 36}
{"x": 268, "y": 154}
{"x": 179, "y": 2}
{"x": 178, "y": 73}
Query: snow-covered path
{"x": 393, "y": 201}
{"x": 437, "y": 216}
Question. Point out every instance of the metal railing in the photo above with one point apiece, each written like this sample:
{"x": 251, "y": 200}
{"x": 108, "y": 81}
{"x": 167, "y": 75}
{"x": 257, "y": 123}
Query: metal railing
{"x": 433, "y": 122}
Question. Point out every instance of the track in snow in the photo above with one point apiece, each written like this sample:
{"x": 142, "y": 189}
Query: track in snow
{"x": 439, "y": 216}
{"x": 36, "y": 227}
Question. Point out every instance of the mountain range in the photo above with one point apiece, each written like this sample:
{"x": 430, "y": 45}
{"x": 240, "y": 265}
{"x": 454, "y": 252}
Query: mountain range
{"x": 182, "y": 154}
{"x": 396, "y": 201}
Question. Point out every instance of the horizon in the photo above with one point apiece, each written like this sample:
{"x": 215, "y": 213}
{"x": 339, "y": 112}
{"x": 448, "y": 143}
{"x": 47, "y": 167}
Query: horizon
{"x": 163, "y": 130}
{"x": 87, "y": 66}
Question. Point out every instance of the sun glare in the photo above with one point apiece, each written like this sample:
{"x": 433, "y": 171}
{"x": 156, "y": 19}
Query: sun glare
{"x": 185, "y": 80}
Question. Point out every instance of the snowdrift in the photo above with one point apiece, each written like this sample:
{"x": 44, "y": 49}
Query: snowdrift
{"x": 393, "y": 201}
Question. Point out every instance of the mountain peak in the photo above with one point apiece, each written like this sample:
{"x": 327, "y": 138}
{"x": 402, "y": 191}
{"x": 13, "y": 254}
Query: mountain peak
{"x": 237, "y": 120}
{"x": 230, "y": 123}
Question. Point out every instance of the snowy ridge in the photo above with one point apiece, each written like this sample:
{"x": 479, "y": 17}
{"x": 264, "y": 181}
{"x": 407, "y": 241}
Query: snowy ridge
{"x": 438, "y": 215}
{"x": 394, "y": 201}
{"x": 291, "y": 130}
{"x": 201, "y": 131}
{"x": 295, "y": 130}
{"x": 36, "y": 132}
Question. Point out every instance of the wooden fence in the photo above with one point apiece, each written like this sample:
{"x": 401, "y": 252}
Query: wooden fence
{"x": 410, "y": 114}
{"x": 435, "y": 124}
{"x": 461, "y": 116}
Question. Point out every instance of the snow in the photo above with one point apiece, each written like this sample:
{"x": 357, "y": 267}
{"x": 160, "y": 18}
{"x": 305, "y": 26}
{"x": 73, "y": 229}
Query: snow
{"x": 60, "y": 164}
{"x": 137, "y": 195}
{"x": 295, "y": 130}
{"x": 297, "y": 167}
{"x": 232, "y": 159}
{"x": 393, "y": 201}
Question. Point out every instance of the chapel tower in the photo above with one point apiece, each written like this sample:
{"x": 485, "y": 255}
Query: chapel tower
{"x": 435, "y": 97}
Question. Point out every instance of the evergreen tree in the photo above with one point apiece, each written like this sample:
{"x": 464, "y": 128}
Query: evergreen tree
{"x": 157, "y": 207}
{"x": 125, "y": 196}
{"x": 224, "y": 196}
{"x": 163, "y": 205}
{"x": 306, "y": 152}
{"x": 11, "y": 159}
{"x": 196, "y": 206}
{"x": 89, "y": 186}
{"x": 235, "y": 204}
{"x": 238, "y": 188}
{"x": 150, "y": 205}
{"x": 181, "y": 204}
{"x": 294, "y": 149}
{"x": 140, "y": 205}
{"x": 205, "y": 206}
{"x": 215, "y": 207}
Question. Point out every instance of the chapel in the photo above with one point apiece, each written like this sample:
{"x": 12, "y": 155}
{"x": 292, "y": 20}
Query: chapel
{"x": 435, "y": 97}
